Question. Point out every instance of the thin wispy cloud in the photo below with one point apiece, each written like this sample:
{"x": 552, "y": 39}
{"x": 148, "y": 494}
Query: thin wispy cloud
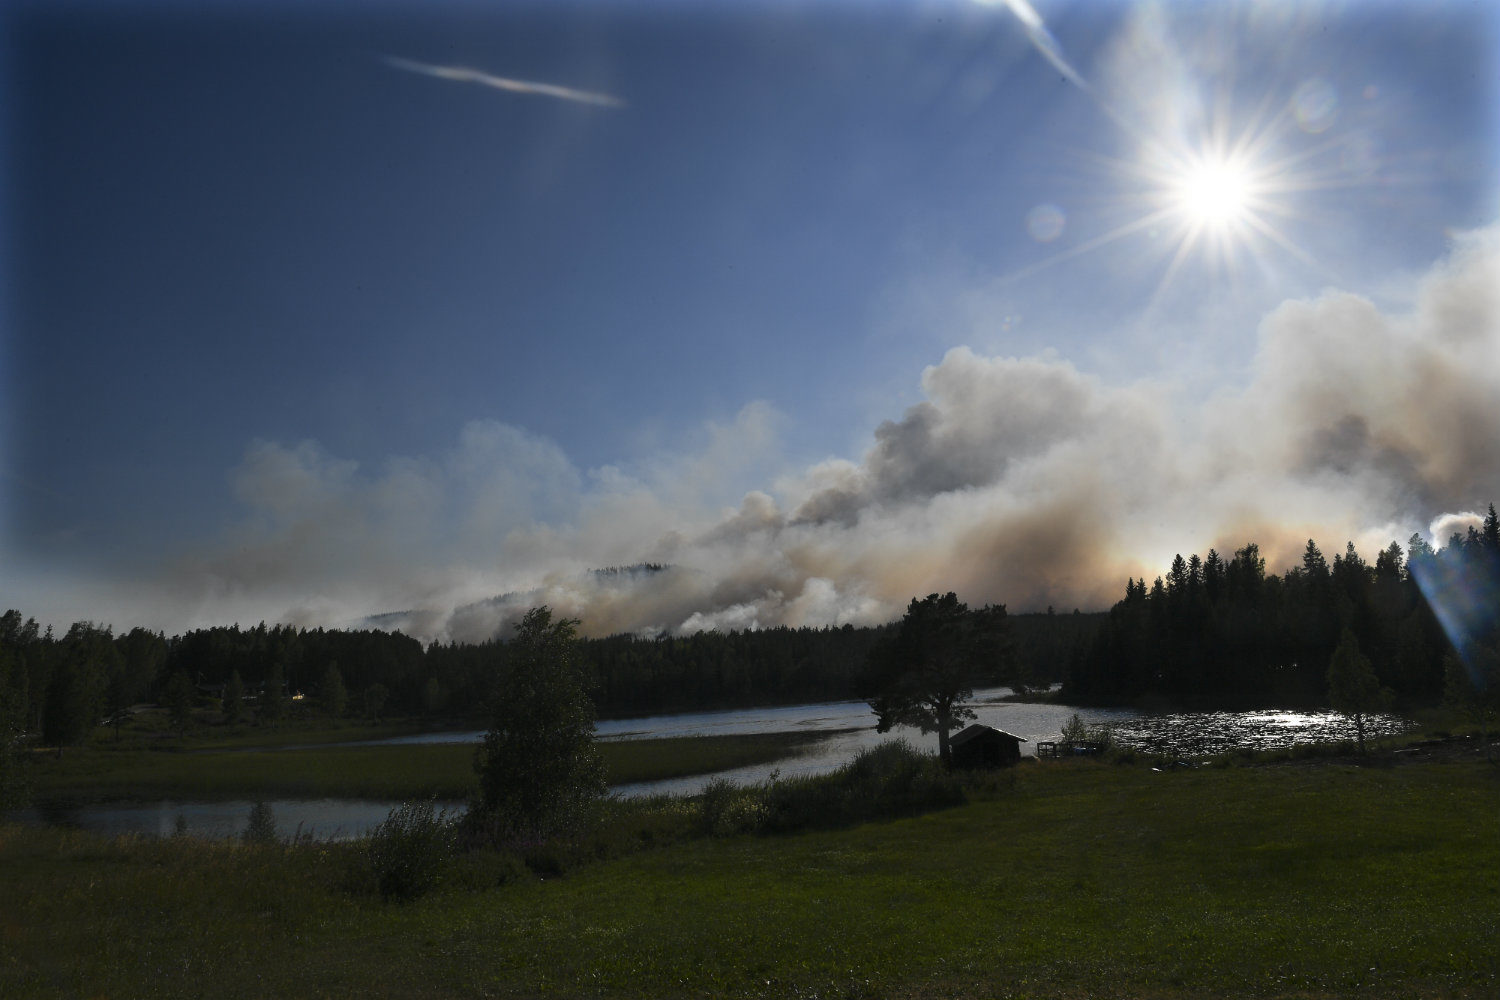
{"x": 464, "y": 74}
{"x": 1041, "y": 39}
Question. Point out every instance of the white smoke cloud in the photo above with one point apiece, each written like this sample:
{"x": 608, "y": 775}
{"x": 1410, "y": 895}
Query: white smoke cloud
{"x": 1017, "y": 480}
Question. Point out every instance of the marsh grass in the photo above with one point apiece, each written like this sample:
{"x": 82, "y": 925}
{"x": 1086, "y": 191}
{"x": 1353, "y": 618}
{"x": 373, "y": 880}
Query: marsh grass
{"x": 1082, "y": 879}
{"x": 420, "y": 771}
{"x": 152, "y": 729}
{"x": 881, "y": 782}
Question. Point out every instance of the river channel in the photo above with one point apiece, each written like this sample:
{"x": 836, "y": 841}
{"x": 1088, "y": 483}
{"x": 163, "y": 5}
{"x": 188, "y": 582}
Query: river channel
{"x": 849, "y": 725}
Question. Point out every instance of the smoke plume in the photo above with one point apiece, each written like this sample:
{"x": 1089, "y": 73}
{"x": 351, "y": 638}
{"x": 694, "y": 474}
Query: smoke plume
{"x": 1024, "y": 481}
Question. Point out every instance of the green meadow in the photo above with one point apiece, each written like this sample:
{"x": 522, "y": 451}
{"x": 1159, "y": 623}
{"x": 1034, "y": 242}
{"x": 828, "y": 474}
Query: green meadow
{"x": 102, "y": 772}
{"x": 1071, "y": 879}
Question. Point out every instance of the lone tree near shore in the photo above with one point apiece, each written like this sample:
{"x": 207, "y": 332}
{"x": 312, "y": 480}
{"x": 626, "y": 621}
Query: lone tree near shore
{"x": 538, "y": 766}
{"x": 923, "y": 674}
{"x": 1353, "y": 687}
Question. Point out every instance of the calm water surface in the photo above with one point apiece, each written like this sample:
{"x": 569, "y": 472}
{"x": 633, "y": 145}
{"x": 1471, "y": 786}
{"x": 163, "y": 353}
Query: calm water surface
{"x": 319, "y": 819}
{"x": 1044, "y": 720}
{"x": 849, "y": 725}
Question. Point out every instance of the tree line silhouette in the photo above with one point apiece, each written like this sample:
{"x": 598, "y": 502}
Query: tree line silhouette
{"x": 1223, "y": 633}
{"x": 59, "y": 687}
{"x": 1211, "y": 632}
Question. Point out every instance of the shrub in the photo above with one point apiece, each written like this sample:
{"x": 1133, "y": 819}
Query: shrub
{"x": 726, "y": 808}
{"x": 409, "y": 850}
{"x": 261, "y": 829}
{"x": 883, "y": 782}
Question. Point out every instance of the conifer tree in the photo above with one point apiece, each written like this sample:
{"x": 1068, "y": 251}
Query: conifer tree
{"x": 233, "y": 702}
{"x": 179, "y": 699}
{"x": 333, "y": 697}
{"x": 272, "y": 703}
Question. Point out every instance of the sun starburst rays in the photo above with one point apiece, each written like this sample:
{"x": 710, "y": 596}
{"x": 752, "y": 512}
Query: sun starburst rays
{"x": 1224, "y": 199}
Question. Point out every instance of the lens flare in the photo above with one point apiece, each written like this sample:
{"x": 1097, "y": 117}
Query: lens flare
{"x": 1464, "y": 599}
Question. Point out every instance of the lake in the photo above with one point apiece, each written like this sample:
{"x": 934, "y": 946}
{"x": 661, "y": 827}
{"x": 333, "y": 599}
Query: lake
{"x": 850, "y": 726}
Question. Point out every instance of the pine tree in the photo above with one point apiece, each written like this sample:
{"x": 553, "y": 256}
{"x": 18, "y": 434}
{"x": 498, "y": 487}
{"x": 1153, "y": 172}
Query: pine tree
{"x": 1313, "y": 563}
{"x": 234, "y": 698}
{"x": 72, "y": 702}
{"x": 1213, "y": 576}
{"x": 179, "y": 698}
{"x": 333, "y": 697}
{"x": 272, "y": 704}
{"x": 12, "y": 725}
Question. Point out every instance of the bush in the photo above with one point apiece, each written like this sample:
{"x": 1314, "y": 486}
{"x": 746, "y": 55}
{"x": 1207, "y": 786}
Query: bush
{"x": 726, "y": 808}
{"x": 261, "y": 828}
{"x": 409, "y": 850}
{"x": 883, "y": 782}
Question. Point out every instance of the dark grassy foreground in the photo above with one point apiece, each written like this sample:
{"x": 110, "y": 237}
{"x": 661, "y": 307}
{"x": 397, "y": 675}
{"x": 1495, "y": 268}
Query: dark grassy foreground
{"x": 444, "y": 771}
{"x": 1080, "y": 880}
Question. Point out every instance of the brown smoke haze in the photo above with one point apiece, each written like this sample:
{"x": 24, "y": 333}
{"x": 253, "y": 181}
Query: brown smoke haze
{"x": 1023, "y": 481}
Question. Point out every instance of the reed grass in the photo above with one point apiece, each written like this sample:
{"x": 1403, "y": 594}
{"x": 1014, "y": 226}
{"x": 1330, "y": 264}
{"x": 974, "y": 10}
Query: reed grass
{"x": 405, "y": 771}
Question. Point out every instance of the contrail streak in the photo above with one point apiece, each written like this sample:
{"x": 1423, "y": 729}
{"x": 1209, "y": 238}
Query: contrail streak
{"x": 1041, "y": 39}
{"x": 465, "y": 75}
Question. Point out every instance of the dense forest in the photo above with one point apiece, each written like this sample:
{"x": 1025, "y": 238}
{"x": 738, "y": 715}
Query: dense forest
{"x": 1223, "y": 633}
{"x": 58, "y": 686}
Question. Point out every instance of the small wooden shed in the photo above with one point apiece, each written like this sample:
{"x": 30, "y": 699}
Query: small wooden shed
{"x": 985, "y": 746}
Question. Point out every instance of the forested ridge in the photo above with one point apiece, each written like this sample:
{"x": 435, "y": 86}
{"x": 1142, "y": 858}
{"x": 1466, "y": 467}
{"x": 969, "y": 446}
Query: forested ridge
{"x": 1211, "y": 632}
{"x": 1222, "y": 633}
{"x": 59, "y": 686}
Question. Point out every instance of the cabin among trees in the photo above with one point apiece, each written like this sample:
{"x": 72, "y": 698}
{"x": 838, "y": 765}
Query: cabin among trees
{"x": 985, "y": 746}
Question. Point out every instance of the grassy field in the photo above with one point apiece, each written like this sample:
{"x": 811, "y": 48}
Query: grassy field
{"x": 1077, "y": 880}
{"x": 100, "y": 772}
{"x": 151, "y": 729}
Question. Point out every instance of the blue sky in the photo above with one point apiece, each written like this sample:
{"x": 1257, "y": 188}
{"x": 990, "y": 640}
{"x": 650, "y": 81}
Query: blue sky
{"x": 306, "y": 319}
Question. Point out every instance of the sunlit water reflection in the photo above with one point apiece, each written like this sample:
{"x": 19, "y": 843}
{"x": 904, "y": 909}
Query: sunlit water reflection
{"x": 1197, "y": 734}
{"x": 848, "y": 727}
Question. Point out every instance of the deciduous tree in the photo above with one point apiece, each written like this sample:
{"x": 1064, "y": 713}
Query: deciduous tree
{"x": 538, "y": 766}
{"x": 922, "y": 675}
{"x": 1353, "y": 687}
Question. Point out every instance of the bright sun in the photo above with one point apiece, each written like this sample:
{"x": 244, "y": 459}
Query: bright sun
{"x": 1214, "y": 194}
{"x": 1219, "y": 199}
